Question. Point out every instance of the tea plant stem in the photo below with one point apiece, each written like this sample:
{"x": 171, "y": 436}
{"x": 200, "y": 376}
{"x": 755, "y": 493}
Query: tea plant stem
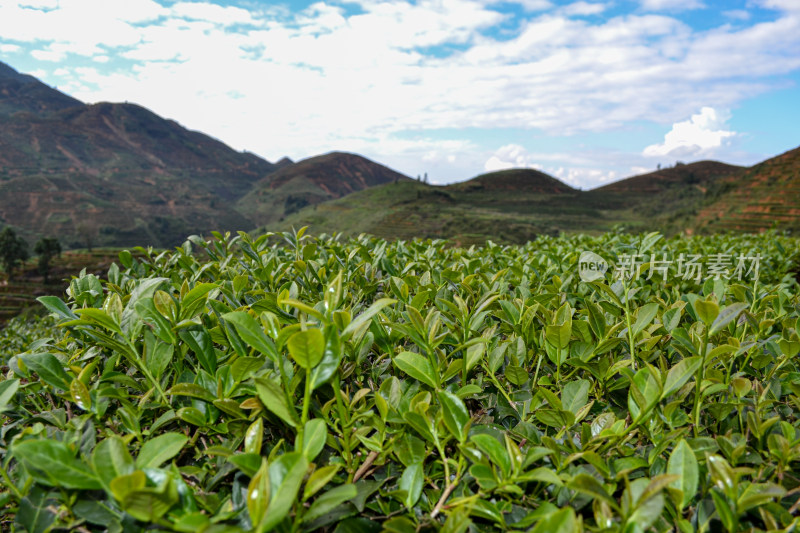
{"x": 536, "y": 373}
{"x": 631, "y": 348}
{"x": 306, "y": 403}
{"x": 699, "y": 384}
{"x": 448, "y": 489}
{"x": 143, "y": 368}
{"x": 344, "y": 423}
{"x": 10, "y": 484}
{"x": 502, "y": 389}
{"x": 440, "y": 448}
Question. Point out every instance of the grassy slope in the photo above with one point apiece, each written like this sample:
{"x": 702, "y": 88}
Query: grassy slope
{"x": 516, "y": 205}
{"x": 310, "y": 182}
{"x": 764, "y": 196}
{"x": 468, "y": 213}
{"x": 511, "y": 206}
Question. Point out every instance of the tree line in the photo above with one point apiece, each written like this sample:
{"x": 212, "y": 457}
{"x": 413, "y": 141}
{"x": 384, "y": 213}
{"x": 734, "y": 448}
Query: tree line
{"x": 14, "y": 250}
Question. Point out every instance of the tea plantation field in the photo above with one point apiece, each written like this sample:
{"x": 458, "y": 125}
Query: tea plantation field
{"x": 292, "y": 383}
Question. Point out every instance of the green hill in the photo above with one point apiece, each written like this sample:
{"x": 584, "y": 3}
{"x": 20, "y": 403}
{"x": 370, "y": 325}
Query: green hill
{"x": 764, "y": 196}
{"x": 516, "y": 205}
{"x": 120, "y": 175}
{"x": 310, "y": 182}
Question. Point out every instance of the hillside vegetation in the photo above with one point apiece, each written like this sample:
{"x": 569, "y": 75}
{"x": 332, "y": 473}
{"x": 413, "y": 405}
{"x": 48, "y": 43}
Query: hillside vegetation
{"x": 120, "y": 175}
{"x": 287, "y": 383}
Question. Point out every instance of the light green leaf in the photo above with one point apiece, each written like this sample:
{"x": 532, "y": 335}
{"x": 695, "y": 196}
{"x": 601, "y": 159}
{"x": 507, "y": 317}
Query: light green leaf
{"x": 160, "y": 449}
{"x": 271, "y": 395}
{"x": 53, "y": 463}
{"x": 417, "y": 367}
{"x": 48, "y": 368}
{"x": 327, "y": 501}
{"x": 575, "y": 395}
{"x": 682, "y": 462}
{"x": 315, "y": 432}
{"x": 252, "y": 333}
{"x": 455, "y": 415}
{"x": 411, "y": 482}
{"x": 679, "y": 374}
{"x": 307, "y": 347}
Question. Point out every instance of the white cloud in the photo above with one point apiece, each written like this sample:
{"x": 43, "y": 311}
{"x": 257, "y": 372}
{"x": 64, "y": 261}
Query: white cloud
{"x": 510, "y": 156}
{"x": 737, "y": 14}
{"x": 532, "y": 5}
{"x": 671, "y": 5}
{"x": 583, "y": 9}
{"x": 48, "y": 55}
{"x": 9, "y": 48}
{"x": 324, "y": 79}
{"x": 699, "y": 136}
{"x": 575, "y": 170}
{"x": 781, "y": 5}
{"x": 224, "y": 15}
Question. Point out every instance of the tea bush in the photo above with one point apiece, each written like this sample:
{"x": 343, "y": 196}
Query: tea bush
{"x": 290, "y": 383}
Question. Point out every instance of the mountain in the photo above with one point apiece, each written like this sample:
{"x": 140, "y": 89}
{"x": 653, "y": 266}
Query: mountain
{"x": 119, "y": 174}
{"x": 517, "y": 205}
{"x": 20, "y": 92}
{"x": 761, "y": 197}
{"x": 667, "y": 199}
{"x": 525, "y": 180}
{"x": 507, "y": 206}
{"x": 697, "y": 174}
{"x": 310, "y": 182}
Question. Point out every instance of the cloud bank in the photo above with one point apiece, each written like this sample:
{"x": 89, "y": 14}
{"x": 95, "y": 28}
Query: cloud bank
{"x": 403, "y": 79}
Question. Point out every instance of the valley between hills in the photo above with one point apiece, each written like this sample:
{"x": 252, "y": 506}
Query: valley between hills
{"x": 112, "y": 174}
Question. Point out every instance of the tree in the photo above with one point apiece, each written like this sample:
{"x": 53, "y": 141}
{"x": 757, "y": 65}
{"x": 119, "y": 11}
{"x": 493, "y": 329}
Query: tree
{"x": 87, "y": 230}
{"x": 46, "y": 249}
{"x": 13, "y": 250}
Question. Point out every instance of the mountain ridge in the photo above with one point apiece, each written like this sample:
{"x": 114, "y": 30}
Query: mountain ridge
{"x": 119, "y": 174}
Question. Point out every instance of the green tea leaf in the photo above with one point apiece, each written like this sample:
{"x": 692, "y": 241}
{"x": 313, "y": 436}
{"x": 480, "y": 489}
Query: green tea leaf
{"x": 285, "y": 476}
{"x": 706, "y": 310}
{"x": 111, "y": 459}
{"x": 307, "y": 347}
{"x": 48, "y": 368}
{"x": 575, "y": 395}
{"x": 53, "y": 463}
{"x": 252, "y": 333}
{"x": 455, "y": 414}
{"x": 679, "y": 374}
{"x": 158, "y": 450}
{"x": 417, "y": 367}
{"x": 411, "y": 483}
{"x": 726, "y": 315}
{"x": 494, "y": 450}
{"x": 682, "y": 462}
{"x": 315, "y": 432}
{"x": 272, "y": 396}
{"x": 327, "y": 501}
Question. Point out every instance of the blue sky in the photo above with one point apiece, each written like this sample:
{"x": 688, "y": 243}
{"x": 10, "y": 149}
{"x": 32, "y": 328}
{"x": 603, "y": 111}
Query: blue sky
{"x": 589, "y": 91}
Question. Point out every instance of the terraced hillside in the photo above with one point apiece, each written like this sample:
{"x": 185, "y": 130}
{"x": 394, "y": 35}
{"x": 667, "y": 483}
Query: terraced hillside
{"x": 21, "y": 291}
{"x": 764, "y": 196}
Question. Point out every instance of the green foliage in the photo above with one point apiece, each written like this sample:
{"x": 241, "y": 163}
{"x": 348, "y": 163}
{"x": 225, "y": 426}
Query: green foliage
{"x": 13, "y": 250}
{"x": 46, "y": 248}
{"x": 289, "y": 383}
